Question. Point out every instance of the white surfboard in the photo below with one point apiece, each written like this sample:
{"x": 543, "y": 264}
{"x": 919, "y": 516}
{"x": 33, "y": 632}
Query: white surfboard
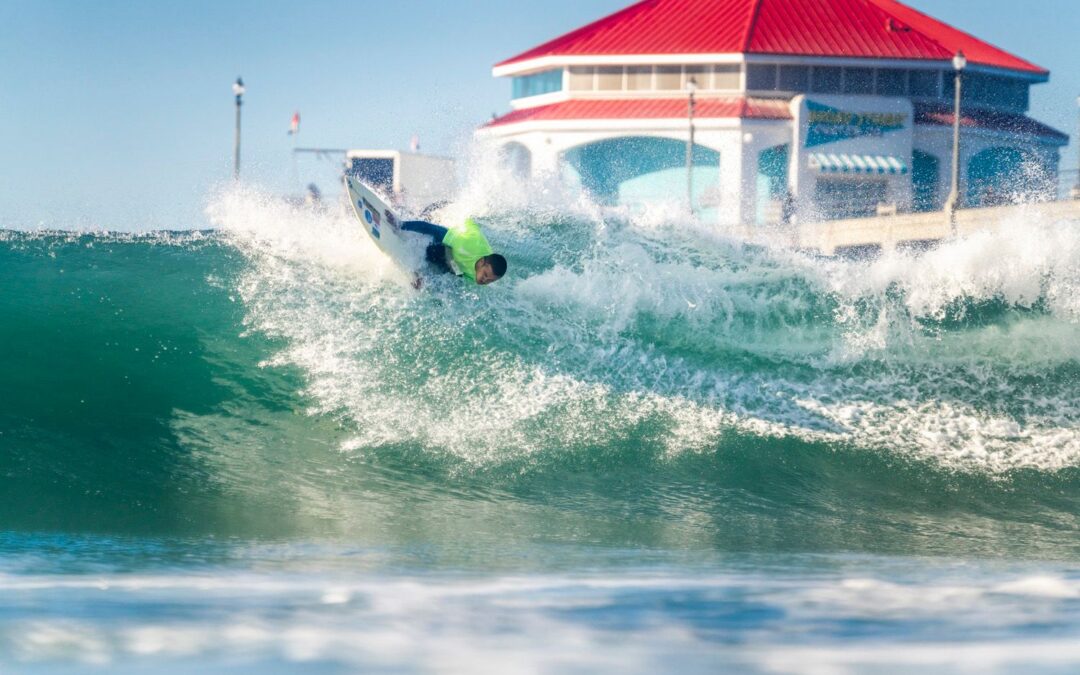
{"x": 380, "y": 223}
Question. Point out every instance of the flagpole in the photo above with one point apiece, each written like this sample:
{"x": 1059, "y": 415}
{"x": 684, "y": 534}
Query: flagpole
{"x": 295, "y": 164}
{"x": 294, "y": 131}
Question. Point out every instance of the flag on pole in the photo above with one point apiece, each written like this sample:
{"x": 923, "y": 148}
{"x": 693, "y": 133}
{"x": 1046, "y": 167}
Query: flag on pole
{"x": 294, "y": 126}
{"x": 414, "y": 143}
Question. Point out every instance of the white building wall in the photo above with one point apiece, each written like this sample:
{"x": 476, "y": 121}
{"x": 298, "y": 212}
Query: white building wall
{"x": 738, "y": 141}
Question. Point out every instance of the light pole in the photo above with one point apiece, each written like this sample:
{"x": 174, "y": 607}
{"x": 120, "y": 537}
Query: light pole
{"x": 238, "y": 89}
{"x": 691, "y": 87}
{"x": 959, "y": 62}
{"x": 1076, "y": 189}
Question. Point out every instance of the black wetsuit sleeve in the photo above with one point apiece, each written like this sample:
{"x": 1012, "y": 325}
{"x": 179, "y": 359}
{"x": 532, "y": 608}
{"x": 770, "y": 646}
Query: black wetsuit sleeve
{"x": 436, "y": 232}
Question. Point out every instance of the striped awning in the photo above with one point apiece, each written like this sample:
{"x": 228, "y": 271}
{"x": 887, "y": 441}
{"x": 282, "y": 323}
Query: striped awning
{"x": 843, "y": 163}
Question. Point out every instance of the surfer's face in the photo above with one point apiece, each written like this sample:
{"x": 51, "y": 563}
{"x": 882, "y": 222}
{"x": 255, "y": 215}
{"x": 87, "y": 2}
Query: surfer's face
{"x": 484, "y": 274}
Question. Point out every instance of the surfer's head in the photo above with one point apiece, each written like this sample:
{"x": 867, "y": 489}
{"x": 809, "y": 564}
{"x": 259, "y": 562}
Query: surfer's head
{"x": 490, "y": 268}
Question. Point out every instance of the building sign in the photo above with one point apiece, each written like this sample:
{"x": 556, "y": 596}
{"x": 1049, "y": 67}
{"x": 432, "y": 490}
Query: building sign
{"x": 851, "y": 154}
{"x": 828, "y": 124}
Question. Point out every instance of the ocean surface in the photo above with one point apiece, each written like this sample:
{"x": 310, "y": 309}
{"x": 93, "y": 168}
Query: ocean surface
{"x": 653, "y": 447}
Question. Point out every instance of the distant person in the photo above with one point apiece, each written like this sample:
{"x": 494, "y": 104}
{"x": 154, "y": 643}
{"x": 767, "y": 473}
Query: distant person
{"x": 787, "y": 208}
{"x": 462, "y": 250}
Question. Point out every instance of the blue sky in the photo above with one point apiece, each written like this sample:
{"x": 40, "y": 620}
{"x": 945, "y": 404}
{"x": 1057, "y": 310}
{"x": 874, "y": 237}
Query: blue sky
{"x": 119, "y": 114}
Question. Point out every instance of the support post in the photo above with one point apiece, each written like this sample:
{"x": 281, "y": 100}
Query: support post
{"x": 953, "y": 202}
{"x": 238, "y": 89}
{"x": 691, "y": 87}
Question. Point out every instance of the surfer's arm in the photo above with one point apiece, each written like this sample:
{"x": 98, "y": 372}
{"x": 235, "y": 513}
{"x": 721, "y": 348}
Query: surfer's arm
{"x": 436, "y": 232}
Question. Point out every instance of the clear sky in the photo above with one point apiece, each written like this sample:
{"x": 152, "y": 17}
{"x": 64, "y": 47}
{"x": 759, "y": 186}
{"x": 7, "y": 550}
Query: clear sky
{"x": 119, "y": 114}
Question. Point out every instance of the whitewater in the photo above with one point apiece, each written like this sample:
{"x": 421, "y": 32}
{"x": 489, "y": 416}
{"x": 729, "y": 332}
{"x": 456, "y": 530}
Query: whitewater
{"x": 655, "y": 443}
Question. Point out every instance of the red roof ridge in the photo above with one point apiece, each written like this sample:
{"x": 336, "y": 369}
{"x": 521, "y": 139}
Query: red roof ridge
{"x": 805, "y": 28}
{"x": 751, "y": 24}
{"x": 574, "y": 33}
{"x": 894, "y": 7}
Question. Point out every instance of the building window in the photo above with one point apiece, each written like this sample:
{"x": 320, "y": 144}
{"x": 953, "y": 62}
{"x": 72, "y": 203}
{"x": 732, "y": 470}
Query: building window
{"x": 925, "y": 83}
{"x": 826, "y": 80}
{"x": 609, "y": 78}
{"x": 582, "y": 78}
{"x": 999, "y": 92}
{"x": 700, "y": 75}
{"x": 727, "y": 77}
{"x": 858, "y": 81}
{"x": 849, "y": 197}
{"x": 795, "y": 78}
{"x": 924, "y": 181}
{"x": 1017, "y": 94}
{"x": 761, "y": 77}
{"x": 891, "y": 82}
{"x": 538, "y": 83}
{"x": 639, "y": 78}
{"x": 669, "y": 77}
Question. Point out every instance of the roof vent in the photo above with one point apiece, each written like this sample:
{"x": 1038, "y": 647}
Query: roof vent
{"x": 894, "y": 26}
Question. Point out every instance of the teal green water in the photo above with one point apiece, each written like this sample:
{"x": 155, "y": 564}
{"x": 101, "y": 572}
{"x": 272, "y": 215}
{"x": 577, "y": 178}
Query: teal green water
{"x": 635, "y": 401}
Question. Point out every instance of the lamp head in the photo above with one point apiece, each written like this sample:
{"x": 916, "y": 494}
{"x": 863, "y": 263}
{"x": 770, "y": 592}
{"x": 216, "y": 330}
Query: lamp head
{"x": 959, "y": 62}
{"x": 691, "y": 85}
{"x": 238, "y": 86}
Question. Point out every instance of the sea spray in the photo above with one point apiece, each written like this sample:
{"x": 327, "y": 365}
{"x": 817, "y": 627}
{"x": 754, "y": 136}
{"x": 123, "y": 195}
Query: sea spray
{"x": 635, "y": 380}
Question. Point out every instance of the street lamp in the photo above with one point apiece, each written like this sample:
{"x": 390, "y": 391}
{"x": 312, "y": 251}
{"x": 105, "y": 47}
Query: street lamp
{"x": 959, "y": 62}
{"x": 1076, "y": 190}
{"x": 238, "y": 89}
{"x": 691, "y": 87}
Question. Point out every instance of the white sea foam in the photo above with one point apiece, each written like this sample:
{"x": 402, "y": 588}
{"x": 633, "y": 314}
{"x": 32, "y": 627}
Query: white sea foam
{"x": 539, "y": 624}
{"x": 635, "y": 324}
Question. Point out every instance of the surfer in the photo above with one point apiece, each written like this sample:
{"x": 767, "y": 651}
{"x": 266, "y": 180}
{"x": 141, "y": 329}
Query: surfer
{"x": 463, "y": 247}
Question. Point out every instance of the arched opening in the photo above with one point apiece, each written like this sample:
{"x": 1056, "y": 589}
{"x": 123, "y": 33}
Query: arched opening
{"x": 517, "y": 159}
{"x": 1003, "y": 175}
{"x": 634, "y": 170}
{"x": 925, "y": 174}
{"x": 773, "y": 198}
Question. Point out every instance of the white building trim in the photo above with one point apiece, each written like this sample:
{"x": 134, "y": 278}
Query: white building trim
{"x": 542, "y": 63}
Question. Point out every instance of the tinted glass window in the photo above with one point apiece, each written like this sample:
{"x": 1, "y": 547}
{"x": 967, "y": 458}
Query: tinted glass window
{"x": 639, "y": 77}
{"x": 581, "y": 78}
{"x": 794, "y": 78}
{"x": 609, "y": 78}
{"x": 699, "y": 74}
{"x": 858, "y": 81}
{"x": 726, "y": 77}
{"x": 924, "y": 83}
{"x": 538, "y": 83}
{"x": 761, "y": 77}
{"x": 669, "y": 77}
{"x": 826, "y": 80}
{"x": 891, "y": 82}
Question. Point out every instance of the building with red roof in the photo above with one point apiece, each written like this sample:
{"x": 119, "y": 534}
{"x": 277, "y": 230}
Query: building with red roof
{"x": 820, "y": 108}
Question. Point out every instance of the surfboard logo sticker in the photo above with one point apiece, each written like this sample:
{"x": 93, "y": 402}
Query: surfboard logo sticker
{"x": 371, "y": 212}
{"x": 375, "y": 232}
{"x": 367, "y": 216}
{"x": 390, "y": 219}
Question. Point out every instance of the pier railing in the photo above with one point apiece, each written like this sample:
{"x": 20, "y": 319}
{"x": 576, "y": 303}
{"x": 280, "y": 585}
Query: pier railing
{"x": 921, "y": 230}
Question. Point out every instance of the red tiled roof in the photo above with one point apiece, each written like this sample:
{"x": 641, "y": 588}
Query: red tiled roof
{"x": 648, "y": 108}
{"x": 881, "y": 29}
{"x": 940, "y": 115}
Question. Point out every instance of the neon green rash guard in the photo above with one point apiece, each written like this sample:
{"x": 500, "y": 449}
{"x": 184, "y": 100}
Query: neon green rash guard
{"x": 467, "y": 245}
